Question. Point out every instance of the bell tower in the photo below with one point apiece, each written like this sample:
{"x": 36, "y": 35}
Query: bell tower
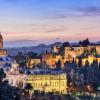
{"x": 1, "y": 41}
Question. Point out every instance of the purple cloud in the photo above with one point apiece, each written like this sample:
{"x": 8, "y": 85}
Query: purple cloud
{"x": 75, "y": 12}
{"x": 57, "y": 29}
{"x": 89, "y": 11}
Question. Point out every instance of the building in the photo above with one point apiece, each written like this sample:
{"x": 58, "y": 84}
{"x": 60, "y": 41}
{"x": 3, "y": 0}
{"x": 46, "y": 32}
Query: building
{"x": 5, "y": 61}
{"x": 1, "y": 41}
{"x": 90, "y": 59}
{"x": 88, "y": 52}
{"x": 13, "y": 76}
{"x": 48, "y": 82}
{"x": 98, "y": 49}
{"x": 55, "y": 49}
{"x": 43, "y": 81}
{"x": 3, "y": 52}
{"x": 33, "y": 61}
{"x": 49, "y": 59}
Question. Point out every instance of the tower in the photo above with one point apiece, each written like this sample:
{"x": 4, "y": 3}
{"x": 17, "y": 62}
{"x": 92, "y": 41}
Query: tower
{"x": 1, "y": 41}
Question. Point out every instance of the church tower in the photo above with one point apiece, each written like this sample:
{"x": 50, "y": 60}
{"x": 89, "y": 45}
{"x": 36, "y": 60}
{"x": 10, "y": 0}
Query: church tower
{"x": 1, "y": 41}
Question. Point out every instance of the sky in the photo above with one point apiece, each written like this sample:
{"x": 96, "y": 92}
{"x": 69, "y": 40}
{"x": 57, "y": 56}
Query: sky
{"x": 32, "y": 22}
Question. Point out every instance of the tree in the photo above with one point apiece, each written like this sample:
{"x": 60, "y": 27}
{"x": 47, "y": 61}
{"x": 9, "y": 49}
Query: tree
{"x": 58, "y": 65}
{"x": 86, "y": 67}
{"x": 84, "y": 42}
{"x": 7, "y": 92}
{"x": 80, "y": 43}
{"x": 95, "y": 70}
{"x": 87, "y": 64}
{"x": 99, "y": 71}
{"x": 93, "y": 51}
{"x": 65, "y": 44}
{"x": 80, "y": 63}
{"x": 28, "y": 87}
{"x": 32, "y": 55}
{"x": 67, "y": 67}
{"x": 21, "y": 59}
{"x": 2, "y": 74}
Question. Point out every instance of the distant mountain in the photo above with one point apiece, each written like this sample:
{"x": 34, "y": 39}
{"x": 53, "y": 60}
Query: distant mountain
{"x": 38, "y": 49}
{"x": 56, "y": 44}
{"x": 19, "y": 43}
{"x": 98, "y": 42}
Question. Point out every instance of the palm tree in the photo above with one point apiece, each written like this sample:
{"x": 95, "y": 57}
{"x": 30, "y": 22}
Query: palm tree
{"x": 28, "y": 87}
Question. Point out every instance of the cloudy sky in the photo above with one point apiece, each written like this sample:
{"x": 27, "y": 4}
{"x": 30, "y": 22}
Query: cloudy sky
{"x": 31, "y": 22}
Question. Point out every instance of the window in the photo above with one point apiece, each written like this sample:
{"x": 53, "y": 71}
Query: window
{"x": 62, "y": 83}
{"x": 78, "y": 50}
{"x": 34, "y": 84}
{"x": 63, "y": 91}
{"x": 41, "y": 84}
{"x": 57, "y": 83}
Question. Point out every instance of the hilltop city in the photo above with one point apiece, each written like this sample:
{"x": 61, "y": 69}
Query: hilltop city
{"x": 65, "y": 71}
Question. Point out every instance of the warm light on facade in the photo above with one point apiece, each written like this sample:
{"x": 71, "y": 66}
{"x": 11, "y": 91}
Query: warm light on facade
{"x": 49, "y": 83}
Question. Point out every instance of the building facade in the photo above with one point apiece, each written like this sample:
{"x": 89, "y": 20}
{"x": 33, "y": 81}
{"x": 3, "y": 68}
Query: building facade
{"x": 49, "y": 59}
{"x": 49, "y": 83}
{"x": 32, "y": 62}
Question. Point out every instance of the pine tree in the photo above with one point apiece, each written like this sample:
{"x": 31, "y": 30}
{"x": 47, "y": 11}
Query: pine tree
{"x": 58, "y": 65}
{"x": 80, "y": 63}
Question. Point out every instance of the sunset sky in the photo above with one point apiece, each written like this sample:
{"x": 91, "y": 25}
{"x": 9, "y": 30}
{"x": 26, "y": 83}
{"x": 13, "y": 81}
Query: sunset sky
{"x": 31, "y": 22}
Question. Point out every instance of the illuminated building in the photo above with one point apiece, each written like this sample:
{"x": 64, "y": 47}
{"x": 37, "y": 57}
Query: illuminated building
{"x": 13, "y": 76}
{"x": 55, "y": 49}
{"x": 67, "y": 53}
{"x": 2, "y": 51}
{"x": 98, "y": 49}
{"x": 78, "y": 50}
{"x": 33, "y": 61}
{"x": 49, "y": 59}
{"x": 90, "y": 59}
{"x": 49, "y": 82}
{"x": 1, "y": 41}
{"x": 42, "y": 80}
